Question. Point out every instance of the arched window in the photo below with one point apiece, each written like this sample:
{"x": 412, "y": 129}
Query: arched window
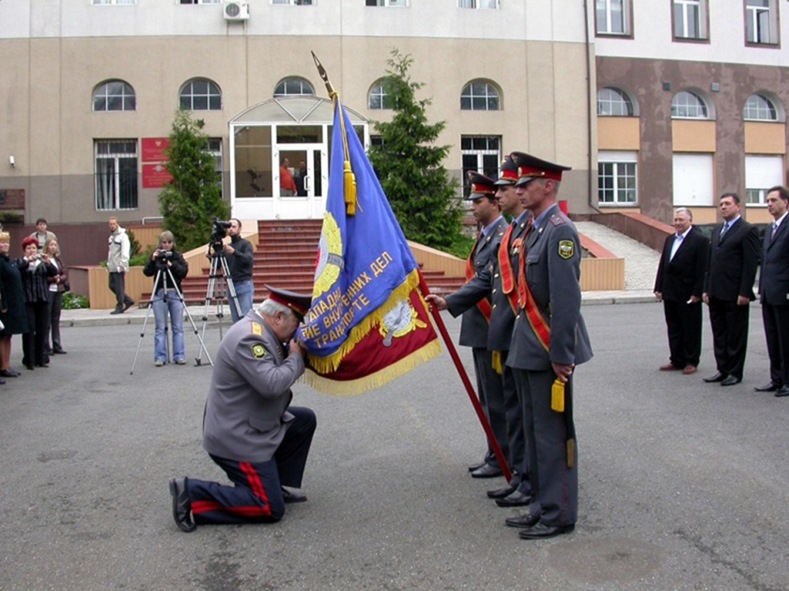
{"x": 201, "y": 94}
{"x": 114, "y": 95}
{"x": 294, "y": 87}
{"x": 759, "y": 108}
{"x": 479, "y": 95}
{"x": 688, "y": 105}
{"x": 378, "y": 98}
{"x": 612, "y": 102}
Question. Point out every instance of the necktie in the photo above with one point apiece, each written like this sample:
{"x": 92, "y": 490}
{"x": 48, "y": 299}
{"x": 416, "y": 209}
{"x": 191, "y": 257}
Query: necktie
{"x": 775, "y": 229}
{"x": 724, "y": 229}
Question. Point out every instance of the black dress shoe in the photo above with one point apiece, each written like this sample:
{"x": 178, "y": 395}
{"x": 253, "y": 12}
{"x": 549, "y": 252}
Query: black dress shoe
{"x": 59, "y": 352}
{"x": 117, "y": 311}
{"x": 730, "y": 381}
{"x": 516, "y": 499}
{"x": 9, "y": 373}
{"x": 128, "y": 305}
{"x": 486, "y": 471}
{"x": 500, "y": 493}
{"x": 292, "y": 497}
{"x": 540, "y": 531}
{"x": 476, "y": 467}
{"x": 784, "y": 391}
{"x": 771, "y": 387}
{"x": 718, "y": 377}
{"x": 182, "y": 506}
{"x": 29, "y": 366}
{"x": 525, "y": 520}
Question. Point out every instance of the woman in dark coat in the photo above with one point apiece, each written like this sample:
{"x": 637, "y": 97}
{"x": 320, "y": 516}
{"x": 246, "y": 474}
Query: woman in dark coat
{"x": 57, "y": 285}
{"x": 12, "y": 306}
{"x": 35, "y": 269}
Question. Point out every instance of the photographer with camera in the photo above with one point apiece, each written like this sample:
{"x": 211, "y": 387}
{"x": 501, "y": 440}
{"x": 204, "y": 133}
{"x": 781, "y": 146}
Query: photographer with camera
{"x": 240, "y": 255}
{"x": 169, "y": 268}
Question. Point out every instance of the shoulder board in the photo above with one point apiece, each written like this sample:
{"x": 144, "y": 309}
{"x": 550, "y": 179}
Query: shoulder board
{"x": 557, "y": 220}
{"x": 257, "y": 329}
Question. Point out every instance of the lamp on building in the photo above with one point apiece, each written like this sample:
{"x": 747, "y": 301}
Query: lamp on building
{"x": 12, "y": 161}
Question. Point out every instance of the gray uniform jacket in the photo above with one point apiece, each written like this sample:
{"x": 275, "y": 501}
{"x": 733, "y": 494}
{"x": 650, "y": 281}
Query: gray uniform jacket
{"x": 474, "y": 325}
{"x": 488, "y": 281}
{"x": 553, "y": 270}
{"x": 246, "y": 412}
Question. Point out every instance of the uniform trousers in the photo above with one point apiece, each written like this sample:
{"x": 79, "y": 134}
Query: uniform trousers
{"x": 513, "y": 411}
{"x": 491, "y": 396}
{"x": 256, "y": 496}
{"x": 729, "y": 335}
{"x": 554, "y": 486}
{"x": 776, "y": 330}
{"x": 683, "y": 321}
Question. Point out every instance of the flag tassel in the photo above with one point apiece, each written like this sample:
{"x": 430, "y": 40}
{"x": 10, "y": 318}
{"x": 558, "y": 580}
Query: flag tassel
{"x": 350, "y": 188}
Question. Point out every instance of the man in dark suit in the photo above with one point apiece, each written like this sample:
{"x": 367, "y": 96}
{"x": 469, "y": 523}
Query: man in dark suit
{"x": 774, "y": 292}
{"x": 548, "y": 341}
{"x": 728, "y": 289}
{"x": 476, "y": 316}
{"x": 679, "y": 285}
{"x": 250, "y": 428}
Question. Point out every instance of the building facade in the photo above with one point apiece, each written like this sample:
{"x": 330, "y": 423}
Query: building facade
{"x": 653, "y": 104}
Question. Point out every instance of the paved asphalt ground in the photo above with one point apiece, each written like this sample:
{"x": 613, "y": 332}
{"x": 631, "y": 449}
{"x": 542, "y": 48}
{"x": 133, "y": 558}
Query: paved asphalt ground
{"x": 684, "y": 485}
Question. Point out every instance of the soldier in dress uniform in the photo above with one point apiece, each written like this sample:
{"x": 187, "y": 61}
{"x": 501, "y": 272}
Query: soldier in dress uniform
{"x": 498, "y": 281}
{"x": 476, "y": 315}
{"x": 249, "y": 428}
{"x": 548, "y": 341}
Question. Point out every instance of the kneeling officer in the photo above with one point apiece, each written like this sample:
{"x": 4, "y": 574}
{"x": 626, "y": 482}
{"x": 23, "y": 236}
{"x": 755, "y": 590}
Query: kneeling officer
{"x": 250, "y": 430}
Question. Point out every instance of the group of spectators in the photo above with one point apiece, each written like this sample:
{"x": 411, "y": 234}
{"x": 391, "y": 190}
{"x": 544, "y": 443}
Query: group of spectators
{"x": 31, "y": 294}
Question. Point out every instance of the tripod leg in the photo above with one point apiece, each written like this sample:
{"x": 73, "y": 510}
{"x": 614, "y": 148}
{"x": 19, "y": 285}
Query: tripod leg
{"x": 148, "y": 310}
{"x": 184, "y": 308}
{"x": 231, "y": 289}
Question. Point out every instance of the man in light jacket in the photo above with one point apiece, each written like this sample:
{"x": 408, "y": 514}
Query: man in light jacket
{"x": 118, "y": 265}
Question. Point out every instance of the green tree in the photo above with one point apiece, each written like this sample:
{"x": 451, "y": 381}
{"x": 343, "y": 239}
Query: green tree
{"x": 409, "y": 166}
{"x": 193, "y": 199}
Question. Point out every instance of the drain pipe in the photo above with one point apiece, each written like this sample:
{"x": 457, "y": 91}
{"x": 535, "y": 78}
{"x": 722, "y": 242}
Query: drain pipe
{"x": 591, "y": 99}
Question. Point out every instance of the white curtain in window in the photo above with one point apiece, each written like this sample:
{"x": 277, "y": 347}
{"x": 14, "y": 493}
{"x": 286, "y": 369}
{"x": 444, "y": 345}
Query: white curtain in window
{"x": 763, "y": 172}
{"x": 693, "y": 180}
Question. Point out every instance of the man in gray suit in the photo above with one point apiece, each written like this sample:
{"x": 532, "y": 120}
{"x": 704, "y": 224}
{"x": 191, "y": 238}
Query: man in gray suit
{"x": 249, "y": 428}
{"x": 548, "y": 341}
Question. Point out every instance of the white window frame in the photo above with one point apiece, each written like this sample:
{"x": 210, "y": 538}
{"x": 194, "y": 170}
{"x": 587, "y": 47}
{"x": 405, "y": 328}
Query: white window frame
{"x": 624, "y": 166}
{"x": 303, "y": 83}
{"x": 479, "y": 4}
{"x": 107, "y": 91}
{"x": 611, "y": 100}
{"x": 107, "y": 195}
{"x": 693, "y": 179}
{"x": 682, "y": 22}
{"x": 212, "y": 93}
{"x": 761, "y": 173}
{"x": 681, "y": 107}
{"x": 378, "y": 91}
{"x": 760, "y": 108}
{"x": 387, "y": 3}
{"x": 490, "y": 92}
{"x": 761, "y": 22}
{"x": 490, "y": 152}
{"x": 613, "y": 12}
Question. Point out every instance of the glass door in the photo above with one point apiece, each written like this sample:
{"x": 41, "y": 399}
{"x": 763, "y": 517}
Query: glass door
{"x": 300, "y": 181}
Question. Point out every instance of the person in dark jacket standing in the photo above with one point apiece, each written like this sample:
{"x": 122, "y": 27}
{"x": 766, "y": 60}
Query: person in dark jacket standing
{"x": 35, "y": 270}
{"x": 169, "y": 268}
{"x": 679, "y": 285}
{"x": 13, "y": 315}
{"x": 728, "y": 289}
{"x": 774, "y": 292}
{"x": 240, "y": 257}
{"x": 57, "y": 287}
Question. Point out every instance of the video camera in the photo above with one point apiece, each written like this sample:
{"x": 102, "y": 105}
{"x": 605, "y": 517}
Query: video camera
{"x": 218, "y": 232}
{"x": 162, "y": 256}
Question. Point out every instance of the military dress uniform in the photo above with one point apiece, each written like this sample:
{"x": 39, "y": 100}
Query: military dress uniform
{"x": 549, "y": 329}
{"x": 250, "y": 430}
{"x": 476, "y": 310}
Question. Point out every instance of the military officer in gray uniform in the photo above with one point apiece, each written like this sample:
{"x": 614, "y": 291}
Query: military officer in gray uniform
{"x": 249, "y": 428}
{"x": 476, "y": 315}
{"x": 549, "y": 340}
{"x": 498, "y": 281}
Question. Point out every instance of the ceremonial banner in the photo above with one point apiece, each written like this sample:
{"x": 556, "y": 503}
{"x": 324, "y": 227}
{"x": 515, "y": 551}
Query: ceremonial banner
{"x": 368, "y": 322}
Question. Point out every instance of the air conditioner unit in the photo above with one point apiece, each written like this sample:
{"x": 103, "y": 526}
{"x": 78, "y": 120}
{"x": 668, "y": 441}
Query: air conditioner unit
{"x": 236, "y": 11}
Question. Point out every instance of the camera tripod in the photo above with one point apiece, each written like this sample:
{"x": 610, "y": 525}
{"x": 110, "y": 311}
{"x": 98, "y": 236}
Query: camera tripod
{"x": 164, "y": 273}
{"x": 215, "y": 292}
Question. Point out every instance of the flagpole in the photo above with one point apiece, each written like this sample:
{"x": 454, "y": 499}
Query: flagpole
{"x": 494, "y": 445}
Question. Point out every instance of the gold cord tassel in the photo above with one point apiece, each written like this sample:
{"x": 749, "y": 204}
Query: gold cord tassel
{"x": 350, "y": 188}
{"x": 557, "y": 396}
{"x": 495, "y": 362}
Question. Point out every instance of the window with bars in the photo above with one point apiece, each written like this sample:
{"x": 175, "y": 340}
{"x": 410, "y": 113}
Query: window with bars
{"x": 612, "y": 102}
{"x": 760, "y": 108}
{"x": 688, "y": 105}
{"x": 294, "y": 87}
{"x": 115, "y": 174}
{"x": 479, "y": 95}
{"x": 612, "y": 17}
{"x": 378, "y": 98}
{"x": 114, "y": 95}
{"x": 201, "y": 94}
{"x": 616, "y": 183}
